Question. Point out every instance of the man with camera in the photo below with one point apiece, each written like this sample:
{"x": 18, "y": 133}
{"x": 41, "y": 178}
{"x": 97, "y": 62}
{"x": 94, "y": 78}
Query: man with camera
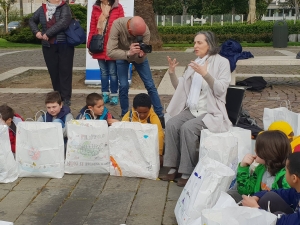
{"x": 128, "y": 43}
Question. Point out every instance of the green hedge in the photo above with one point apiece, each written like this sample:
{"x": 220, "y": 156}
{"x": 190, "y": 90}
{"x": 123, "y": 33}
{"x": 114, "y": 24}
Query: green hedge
{"x": 24, "y": 34}
{"x": 260, "y": 31}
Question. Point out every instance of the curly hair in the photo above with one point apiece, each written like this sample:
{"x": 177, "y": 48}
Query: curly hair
{"x": 274, "y": 148}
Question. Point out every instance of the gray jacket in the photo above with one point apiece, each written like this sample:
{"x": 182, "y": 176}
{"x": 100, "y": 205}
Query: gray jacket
{"x": 63, "y": 18}
{"x": 218, "y": 79}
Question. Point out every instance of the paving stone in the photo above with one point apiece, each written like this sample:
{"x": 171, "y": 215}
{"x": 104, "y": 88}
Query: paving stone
{"x": 122, "y": 183}
{"x": 31, "y": 183}
{"x": 69, "y": 180}
{"x": 10, "y": 186}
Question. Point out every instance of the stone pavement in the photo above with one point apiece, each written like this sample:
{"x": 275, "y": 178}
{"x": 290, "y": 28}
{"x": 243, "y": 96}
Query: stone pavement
{"x": 101, "y": 199}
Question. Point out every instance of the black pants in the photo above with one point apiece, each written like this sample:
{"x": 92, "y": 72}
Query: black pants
{"x": 59, "y": 61}
{"x": 277, "y": 204}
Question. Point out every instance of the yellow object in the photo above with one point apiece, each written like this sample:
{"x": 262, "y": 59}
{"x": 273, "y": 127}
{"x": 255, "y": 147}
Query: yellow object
{"x": 282, "y": 126}
{"x": 153, "y": 120}
{"x": 295, "y": 142}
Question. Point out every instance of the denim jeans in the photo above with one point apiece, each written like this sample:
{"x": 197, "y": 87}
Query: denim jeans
{"x": 108, "y": 76}
{"x": 144, "y": 71}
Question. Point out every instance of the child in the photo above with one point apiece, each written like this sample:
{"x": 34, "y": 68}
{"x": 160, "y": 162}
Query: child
{"x": 288, "y": 131}
{"x": 272, "y": 149}
{"x": 56, "y": 111}
{"x": 11, "y": 119}
{"x": 283, "y": 202}
{"x": 144, "y": 113}
{"x": 95, "y": 109}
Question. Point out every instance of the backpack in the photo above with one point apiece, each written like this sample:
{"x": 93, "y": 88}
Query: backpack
{"x": 254, "y": 83}
{"x": 246, "y": 122}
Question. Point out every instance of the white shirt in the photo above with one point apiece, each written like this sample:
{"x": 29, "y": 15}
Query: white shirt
{"x": 202, "y": 102}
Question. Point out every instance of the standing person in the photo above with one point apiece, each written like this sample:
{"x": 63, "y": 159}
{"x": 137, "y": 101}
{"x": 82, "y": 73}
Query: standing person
{"x": 123, "y": 46}
{"x": 104, "y": 10}
{"x": 198, "y": 103}
{"x": 55, "y": 17}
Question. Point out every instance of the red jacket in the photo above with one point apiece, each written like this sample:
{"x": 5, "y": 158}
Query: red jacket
{"x": 115, "y": 13}
{"x": 12, "y": 135}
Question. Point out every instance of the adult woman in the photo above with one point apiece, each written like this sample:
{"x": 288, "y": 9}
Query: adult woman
{"x": 104, "y": 10}
{"x": 55, "y": 17}
{"x": 198, "y": 102}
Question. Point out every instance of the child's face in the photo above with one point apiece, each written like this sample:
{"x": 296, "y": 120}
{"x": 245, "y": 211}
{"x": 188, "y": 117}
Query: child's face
{"x": 142, "y": 112}
{"x": 259, "y": 160}
{"x": 53, "y": 108}
{"x": 8, "y": 122}
{"x": 98, "y": 108}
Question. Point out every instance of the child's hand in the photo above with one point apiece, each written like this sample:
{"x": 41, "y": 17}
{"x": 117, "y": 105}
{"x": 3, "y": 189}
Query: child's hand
{"x": 111, "y": 121}
{"x": 250, "y": 201}
{"x": 247, "y": 160}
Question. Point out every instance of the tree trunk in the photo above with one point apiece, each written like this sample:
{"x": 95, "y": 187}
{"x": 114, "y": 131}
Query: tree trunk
{"x": 21, "y": 8}
{"x": 144, "y": 9}
{"x": 252, "y": 12}
{"x": 297, "y": 9}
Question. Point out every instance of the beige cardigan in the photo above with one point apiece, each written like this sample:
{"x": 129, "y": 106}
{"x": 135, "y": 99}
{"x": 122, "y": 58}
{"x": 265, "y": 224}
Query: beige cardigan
{"x": 218, "y": 79}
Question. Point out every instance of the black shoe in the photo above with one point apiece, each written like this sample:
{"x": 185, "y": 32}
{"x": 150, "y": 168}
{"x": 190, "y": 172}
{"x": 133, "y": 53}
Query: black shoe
{"x": 162, "y": 121}
{"x": 67, "y": 102}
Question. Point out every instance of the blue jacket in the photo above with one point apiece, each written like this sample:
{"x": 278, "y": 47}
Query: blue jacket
{"x": 291, "y": 197}
{"x": 86, "y": 113}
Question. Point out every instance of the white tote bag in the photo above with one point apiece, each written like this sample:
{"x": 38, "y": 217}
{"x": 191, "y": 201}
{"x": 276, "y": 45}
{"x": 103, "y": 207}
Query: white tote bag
{"x": 243, "y": 136}
{"x": 221, "y": 149}
{"x": 133, "y": 150}
{"x": 202, "y": 190}
{"x": 8, "y": 165}
{"x": 282, "y": 113}
{"x": 87, "y": 148}
{"x": 40, "y": 149}
{"x": 237, "y": 215}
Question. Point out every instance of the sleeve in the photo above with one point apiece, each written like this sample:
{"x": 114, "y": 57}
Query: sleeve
{"x": 245, "y": 182}
{"x": 35, "y": 20}
{"x": 289, "y": 219}
{"x": 69, "y": 117}
{"x": 113, "y": 50}
{"x": 126, "y": 117}
{"x": 93, "y": 27}
{"x": 63, "y": 22}
{"x": 155, "y": 120}
{"x": 220, "y": 85}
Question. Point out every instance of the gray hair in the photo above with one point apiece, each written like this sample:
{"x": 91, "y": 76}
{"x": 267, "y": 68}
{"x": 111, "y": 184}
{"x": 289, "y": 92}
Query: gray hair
{"x": 212, "y": 42}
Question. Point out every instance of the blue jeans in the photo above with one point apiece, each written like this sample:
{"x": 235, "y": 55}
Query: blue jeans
{"x": 108, "y": 72}
{"x": 144, "y": 71}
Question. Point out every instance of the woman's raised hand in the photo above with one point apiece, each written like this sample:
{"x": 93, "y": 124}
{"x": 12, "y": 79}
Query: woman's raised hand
{"x": 198, "y": 68}
{"x": 172, "y": 64}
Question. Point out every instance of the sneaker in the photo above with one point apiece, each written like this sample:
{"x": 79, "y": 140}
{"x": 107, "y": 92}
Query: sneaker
{"x": 114, "y": 100}
{"x": 105, "y": 98}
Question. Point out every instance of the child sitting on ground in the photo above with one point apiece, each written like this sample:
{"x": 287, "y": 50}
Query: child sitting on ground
{"x": 144, "y": 113}
{"x": 56, "y": 111}
{"x": 11, "y": 119}
{"x": 95, "y": 109}
{"x": 285, "y": 203}
{"x": 272, "y": 149}
{"x": 289, "y": 132}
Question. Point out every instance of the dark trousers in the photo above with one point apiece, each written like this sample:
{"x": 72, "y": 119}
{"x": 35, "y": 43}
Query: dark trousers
{"x": 277, "y": 204}
{"x": 59, "y": 61}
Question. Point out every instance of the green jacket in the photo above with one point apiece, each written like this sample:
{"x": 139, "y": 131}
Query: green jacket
{"x": 249, "y": 184}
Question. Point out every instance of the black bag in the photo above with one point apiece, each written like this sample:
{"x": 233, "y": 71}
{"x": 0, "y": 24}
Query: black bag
{"x": 254, "y": 83}
{"x": 97, "y": 41}
{"x": 246, "y": 122}
{"x": 75, "y": 33}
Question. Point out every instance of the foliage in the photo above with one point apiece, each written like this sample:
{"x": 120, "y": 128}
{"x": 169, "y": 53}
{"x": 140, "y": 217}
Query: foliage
{"x": 24, "y": 34}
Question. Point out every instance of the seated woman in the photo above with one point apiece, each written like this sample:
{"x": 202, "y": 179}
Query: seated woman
{"x": 198, "y": 103}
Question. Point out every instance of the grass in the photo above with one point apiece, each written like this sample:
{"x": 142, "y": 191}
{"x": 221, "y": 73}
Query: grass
{"x": 6, "y": 44}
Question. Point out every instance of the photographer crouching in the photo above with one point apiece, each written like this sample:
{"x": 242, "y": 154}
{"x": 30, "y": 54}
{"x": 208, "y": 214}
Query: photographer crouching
{"x": 129, "y": 43}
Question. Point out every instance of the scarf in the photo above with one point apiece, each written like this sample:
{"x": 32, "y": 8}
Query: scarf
{"x": 51, "y": 8}
{"x": 103, "y": 17}
{"x": 193, "y": 98}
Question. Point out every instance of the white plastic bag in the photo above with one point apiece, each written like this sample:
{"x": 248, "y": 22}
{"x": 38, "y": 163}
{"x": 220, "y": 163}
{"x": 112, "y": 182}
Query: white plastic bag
{"x": 8, "y": 165}
{"x": 221, "y": 149}
{"x": 87, "y": 147}
{"x": 133, "y": 150}
{"x": 40, "y": 149}
{"x": 243, "y": 136}
{"x": 6, "y": 223}
{"x": 237, "y": 215}
{"x": 282, "y": 113}
{"x": 202, "y": 190}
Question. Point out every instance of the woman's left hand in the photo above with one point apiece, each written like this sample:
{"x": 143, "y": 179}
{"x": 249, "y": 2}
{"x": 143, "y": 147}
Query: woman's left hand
{"x": 198, "y": 68}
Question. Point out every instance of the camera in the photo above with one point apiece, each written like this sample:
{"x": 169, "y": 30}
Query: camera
{"x": 146, "y": 48}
